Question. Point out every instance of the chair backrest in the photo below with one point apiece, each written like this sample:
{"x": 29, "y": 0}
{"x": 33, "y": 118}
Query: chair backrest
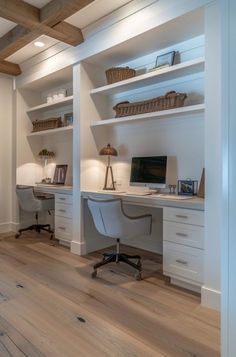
{"x": 27, "y": 200}
{"x": 110, "y": 219}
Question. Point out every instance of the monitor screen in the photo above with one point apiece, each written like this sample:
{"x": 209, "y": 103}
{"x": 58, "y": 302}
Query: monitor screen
{"x": 149, "y": 171}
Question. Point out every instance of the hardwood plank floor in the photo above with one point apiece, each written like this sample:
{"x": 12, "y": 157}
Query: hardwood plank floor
{"x": 50, "y": 306}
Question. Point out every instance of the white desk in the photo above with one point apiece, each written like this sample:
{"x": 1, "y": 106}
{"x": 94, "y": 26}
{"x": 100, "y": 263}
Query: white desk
{"x": 194, "y": 203}
{"x": 53, "y": 189}
{"x": 63, "y": 210}
{"x": 183, "y": 234}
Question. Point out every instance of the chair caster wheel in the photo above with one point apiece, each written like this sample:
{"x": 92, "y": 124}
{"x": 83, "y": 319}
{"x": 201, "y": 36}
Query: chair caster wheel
{"x": 17, "y": 235}
{"x": 94, "y": 274}
{"x": 138, "y": 276}
{"x": 139, "y": 264}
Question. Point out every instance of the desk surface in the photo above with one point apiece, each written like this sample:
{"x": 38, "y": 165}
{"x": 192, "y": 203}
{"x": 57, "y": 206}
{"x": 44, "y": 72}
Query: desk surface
{"x": 149, "y": 200}
{"x": 54, "y": 189}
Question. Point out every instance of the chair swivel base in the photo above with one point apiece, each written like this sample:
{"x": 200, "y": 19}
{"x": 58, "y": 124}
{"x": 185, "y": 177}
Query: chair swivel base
{"x": 38, "y": 228}
{"x": 120, "y": 257}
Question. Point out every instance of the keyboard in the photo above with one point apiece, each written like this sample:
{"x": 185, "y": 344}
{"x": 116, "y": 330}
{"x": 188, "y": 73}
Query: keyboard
{"x": 138, "y": 193}
{"x": 173, "y": 197}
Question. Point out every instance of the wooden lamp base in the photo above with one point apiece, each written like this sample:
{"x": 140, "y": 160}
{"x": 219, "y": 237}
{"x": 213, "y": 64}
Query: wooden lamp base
{"x": 112, "y": 188}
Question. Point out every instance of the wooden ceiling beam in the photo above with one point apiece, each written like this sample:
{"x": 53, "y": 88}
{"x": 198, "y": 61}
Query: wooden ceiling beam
{"x": 10, "y": 68}
{"x": 19, "y": 37}
{"x": 28, "y": 16}
{"x": 20, "y": 12}
{"x": 59, "y": 10}
{"x": 34, "y": 22}
{"x": 15, "y": 39}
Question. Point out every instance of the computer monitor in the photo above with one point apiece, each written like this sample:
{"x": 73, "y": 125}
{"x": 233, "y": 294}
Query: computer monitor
{"x": 149, "y": 171}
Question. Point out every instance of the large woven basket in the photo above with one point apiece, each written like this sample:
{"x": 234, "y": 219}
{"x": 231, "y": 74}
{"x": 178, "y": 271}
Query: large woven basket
{"x": 52, "y": 123}
{"x": 117, "y": 74}
{"x": 168, "y": 101}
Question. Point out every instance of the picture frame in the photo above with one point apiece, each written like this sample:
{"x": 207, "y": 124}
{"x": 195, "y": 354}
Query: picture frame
{"x": 201, "y": 190}
{"x": 60, "y": 174}
{"x": 68, "y": 119}
{"x": 187, "y": 187}
{"x": 165, "y": 60}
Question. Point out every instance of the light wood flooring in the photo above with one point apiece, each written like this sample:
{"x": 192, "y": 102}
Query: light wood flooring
{"x": 50, "y": 306}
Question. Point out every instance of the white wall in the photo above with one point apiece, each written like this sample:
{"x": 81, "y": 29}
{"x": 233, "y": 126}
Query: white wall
{"x": 6, "y": 174}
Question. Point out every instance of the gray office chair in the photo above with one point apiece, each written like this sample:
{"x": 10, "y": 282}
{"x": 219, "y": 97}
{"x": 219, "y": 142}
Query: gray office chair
{"x": 29, "y": 202}
{"x": 110, "y": 220}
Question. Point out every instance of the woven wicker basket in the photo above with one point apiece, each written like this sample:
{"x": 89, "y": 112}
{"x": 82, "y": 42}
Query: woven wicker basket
{"x": 117, "y": 74}
{"x": 52, "y": 123}
{"x": 168, "y": 101}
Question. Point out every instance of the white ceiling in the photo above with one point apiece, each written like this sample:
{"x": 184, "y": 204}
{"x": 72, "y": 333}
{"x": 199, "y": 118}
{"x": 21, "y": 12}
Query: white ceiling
{"x": 37, "y": 3}
{"x": 87, "y": 16}
{"x": 5, "y": 26}
{"x": 95, "y": 11}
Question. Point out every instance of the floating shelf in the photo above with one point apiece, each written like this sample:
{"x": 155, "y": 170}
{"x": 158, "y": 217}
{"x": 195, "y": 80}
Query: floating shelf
{"x": 157, "y": 76}
{"x": 188, "y": 110}
{"x": 56, "y": 104}
{"x": 52, "y": 131}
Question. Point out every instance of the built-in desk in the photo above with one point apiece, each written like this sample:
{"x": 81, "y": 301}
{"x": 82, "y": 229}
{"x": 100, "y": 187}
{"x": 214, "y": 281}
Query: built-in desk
{"x": 54, "y": 189}
{"x": 63, "y": 210}
{"x": 149, "y": 200}
{"x": 183, "y": 234}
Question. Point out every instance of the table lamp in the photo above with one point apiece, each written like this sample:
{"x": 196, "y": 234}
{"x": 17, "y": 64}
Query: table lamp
{"x": 46, "y": 155}
{"x": 108, "y": 151}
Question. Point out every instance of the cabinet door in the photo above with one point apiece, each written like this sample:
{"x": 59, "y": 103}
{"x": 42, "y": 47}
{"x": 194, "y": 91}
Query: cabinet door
{"x": 186, "y": 234}
{"x": 183, "y": 262}
{"x": 63, "y": 228}
{"x": 60, "y": 198}
{"x": 63, "y": 210}
{"x": 181, "y": 215}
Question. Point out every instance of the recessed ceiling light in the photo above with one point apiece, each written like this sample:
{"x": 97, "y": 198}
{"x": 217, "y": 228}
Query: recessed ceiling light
{"x": 39, "y": 44}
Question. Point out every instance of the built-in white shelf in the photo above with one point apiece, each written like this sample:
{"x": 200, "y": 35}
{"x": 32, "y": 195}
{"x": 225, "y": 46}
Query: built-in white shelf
{"x": 157, "y": 76}
{"x": 56, "y": 104}
{"x": 64, "y": 129}
{"x": 188, "y": 110}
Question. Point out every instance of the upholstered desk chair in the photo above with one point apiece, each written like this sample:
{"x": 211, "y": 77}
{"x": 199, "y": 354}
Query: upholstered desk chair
{"x": 111, "y": 221}
{"x": 29, "y": 202}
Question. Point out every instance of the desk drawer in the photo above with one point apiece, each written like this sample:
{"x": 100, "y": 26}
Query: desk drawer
{"x": 183, "y": 262}
{"x": 186, "y": 234}
{"x": 63, "y": 210}
{"x": 60, "y": 198}
{"x": 181, "y": 215}
{"x": 63, "y": 228}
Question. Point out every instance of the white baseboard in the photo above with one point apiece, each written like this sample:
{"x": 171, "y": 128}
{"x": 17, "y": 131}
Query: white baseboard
{"x": 211, "y": 298}
{"x": 5, "y": 227}
{"x": 78, "y": 248}
{"x": 185, "y": 285}
{"x": 14, "y": 226}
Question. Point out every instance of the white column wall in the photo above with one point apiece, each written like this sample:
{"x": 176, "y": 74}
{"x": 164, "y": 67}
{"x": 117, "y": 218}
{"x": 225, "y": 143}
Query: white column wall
{"x": 211, "y": 288}
{"x": 6, "y": 169}
{"x": 228, "y": 242}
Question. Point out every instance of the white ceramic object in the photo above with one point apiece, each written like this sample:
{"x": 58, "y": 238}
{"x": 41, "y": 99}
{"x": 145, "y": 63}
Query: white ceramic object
{"x": 49, "y": 98}
{"x": 61, "y": 93}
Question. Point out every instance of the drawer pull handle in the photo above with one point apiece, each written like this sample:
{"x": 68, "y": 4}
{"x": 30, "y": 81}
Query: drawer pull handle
{"x": 62, "y": 210}
{"x": 180, "y": 261}
{"x": 181, "y": 216}
{"x": 62, "y": 198}
{"x": 62, "y": 228}
{"x": 181, "y": 234}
